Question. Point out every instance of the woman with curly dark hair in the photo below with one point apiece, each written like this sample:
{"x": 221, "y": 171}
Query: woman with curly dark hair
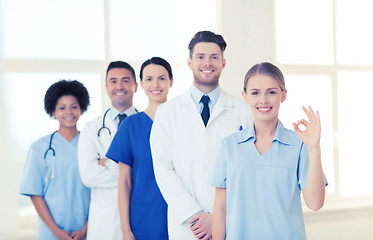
{"x": 51, "y": 177}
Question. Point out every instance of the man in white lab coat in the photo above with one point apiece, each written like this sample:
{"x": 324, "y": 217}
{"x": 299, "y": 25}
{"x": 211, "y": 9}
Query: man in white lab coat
{"x": 98, "y": 172}
{"x": 186, "y": 135}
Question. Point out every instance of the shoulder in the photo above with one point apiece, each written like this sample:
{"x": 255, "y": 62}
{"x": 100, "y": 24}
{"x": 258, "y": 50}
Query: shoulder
{"x": 176, "y": 101}
{"x": 41, "y": 143}
{"x": 288, "y": 136}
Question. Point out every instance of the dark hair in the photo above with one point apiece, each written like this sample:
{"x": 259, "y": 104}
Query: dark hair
{"x": 268, "y": 69}
{"x": 121, "y": 64}
{"x": 206, "y": 36}
{"x": 65, "y": 88}
{"x": 157, "y": 61}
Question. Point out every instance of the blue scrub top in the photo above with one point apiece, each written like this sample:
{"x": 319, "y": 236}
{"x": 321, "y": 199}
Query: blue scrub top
{"x": 148, "y": 209}
{"x": 65, "y": 195}
{"x": 263, "y": 191}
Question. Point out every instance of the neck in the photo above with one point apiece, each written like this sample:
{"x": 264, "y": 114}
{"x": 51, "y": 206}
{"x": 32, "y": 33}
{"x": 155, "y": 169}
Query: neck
{"x": 68, "y": 133}
{"x": 123, "y": 107}
{"x": 205, "y": 88}
{"x": 265, "y": 128}
{"x": 152, "y": 108}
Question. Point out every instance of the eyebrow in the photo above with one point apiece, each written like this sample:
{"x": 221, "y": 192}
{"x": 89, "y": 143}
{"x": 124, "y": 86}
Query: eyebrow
{"x": 255, "y": 89}
{"x": 113, "y": 78}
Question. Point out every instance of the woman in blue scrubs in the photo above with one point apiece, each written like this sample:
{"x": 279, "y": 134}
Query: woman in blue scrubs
{"x": 142, "y": 209}
{"x": 51, "y": 176}
{"x": 261, "y": 171}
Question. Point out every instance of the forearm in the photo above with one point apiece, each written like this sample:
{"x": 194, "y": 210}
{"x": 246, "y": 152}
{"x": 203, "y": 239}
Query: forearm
{"x": 314, "y": 193}
{"x": 124, "y": 198}
{"x": 219, "y": 216}
{"x": 44, "y": 213}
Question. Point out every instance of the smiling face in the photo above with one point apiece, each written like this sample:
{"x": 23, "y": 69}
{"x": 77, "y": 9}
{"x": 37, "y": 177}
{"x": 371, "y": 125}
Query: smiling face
{"x": 207, "y": 64}
{"x": 120, "y": 86}
{"x": 264, "y": 95}
{"x": 67, "y": 111}
{"x": 156, "y": 83}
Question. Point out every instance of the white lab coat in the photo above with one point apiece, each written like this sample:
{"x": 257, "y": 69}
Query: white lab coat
{"x": 103, "y": 220}
{"x": 183, "y": 152}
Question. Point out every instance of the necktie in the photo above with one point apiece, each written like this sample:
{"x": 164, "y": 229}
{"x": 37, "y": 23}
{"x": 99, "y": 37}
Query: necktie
{"x": 121, "y": 117}
{"x": 206, "y": 110}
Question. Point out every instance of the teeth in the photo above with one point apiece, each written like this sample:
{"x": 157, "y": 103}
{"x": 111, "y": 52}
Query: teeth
{"x": 156, "y": 92}
{"x": 207, "y": 71}
{"x": 264, "y": 109}
{"x": 119, "y": 93}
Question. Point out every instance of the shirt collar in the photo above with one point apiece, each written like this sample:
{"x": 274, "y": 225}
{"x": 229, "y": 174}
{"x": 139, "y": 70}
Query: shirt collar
{"x": 114, "y": 112}
{"x": 281, "y": 134}
{"x": 197, "y": 94}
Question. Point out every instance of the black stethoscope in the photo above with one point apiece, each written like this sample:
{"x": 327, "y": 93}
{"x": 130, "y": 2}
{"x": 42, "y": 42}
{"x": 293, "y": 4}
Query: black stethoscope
{"x": 103, "y": 124}
{"x": 53, "y": 159}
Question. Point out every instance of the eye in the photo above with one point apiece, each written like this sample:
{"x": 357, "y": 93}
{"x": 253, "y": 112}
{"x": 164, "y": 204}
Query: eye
{"x": 214, "y": 57}
{"x": 61, "y": 108}
{"x": 272, "y": 92}
{"x": 75, "y": 107}
{"x": 113, "y": 81}
{"x": 255, "y": 93}
{"x": 162, "y": 78}
{"x": 200, "y": 57}
{"x": 148, "y": 79}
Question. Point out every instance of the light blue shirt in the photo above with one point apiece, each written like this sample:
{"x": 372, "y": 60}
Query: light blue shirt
{"x": 65, "y": 195}
{"x": 263, "y": 191}
{"x": 197, "y": 95}
{"x": 114, "y": 113}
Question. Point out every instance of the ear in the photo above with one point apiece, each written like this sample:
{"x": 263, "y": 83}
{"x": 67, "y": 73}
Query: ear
{"x": 190, "y": 63}
{"x": 136, "y": 87}
{"x": 224, "y": 62}
{"x": 244, "y": 97}
{"x": 171, "y": 82}
{"x": 285, "y": 93}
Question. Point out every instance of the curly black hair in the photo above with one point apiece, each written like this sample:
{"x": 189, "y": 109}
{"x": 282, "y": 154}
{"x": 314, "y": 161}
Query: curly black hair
{"x": 64, "y": 88}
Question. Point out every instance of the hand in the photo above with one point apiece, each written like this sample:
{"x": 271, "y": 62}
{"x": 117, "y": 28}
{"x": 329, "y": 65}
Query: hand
{"x": 310, "y": 136}
{"x": 203, "y": 228}
{"x": 79, "y": 235}
{"x": 62, "y": 235}
{"x": 128, "y": 236}
{"x": 102, "y": 162}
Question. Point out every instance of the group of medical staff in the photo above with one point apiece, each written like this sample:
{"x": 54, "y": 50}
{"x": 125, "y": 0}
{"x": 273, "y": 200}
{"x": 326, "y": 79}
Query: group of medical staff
{"x": 154, "y": 174}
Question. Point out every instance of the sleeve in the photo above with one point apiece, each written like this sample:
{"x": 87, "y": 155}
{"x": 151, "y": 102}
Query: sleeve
{"x": 120, "y": 147}
{"x": 93, "y": 174}
{"x": 33, "y": 182}
{"x": 218, "y": 173}
{"x": 303, "y": 168}
{"x": 179, "y": 200}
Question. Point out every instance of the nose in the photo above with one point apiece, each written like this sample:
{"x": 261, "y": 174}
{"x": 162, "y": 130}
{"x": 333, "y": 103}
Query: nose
{"x": 263, "y": 98}
{"x": 207, "y": 61}
{"x": 155, "y": 83}
{"x": 120, "y": 85}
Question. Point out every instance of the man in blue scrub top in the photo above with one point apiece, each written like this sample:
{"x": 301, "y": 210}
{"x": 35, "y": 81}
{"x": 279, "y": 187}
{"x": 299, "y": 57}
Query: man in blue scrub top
{"x": 186, "y": 134}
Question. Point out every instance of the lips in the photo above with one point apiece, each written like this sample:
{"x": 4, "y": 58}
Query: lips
{"x": 207, "y": 71}
{"x": 156, "y": 91}
{"x": 264, "y": 109}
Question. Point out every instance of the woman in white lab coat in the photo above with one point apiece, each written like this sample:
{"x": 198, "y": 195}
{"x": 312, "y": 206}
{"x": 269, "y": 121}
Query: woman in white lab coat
{"x": 51, "y": 176}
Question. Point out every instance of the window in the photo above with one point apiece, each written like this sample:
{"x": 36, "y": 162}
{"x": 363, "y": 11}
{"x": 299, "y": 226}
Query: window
{"x": 328, "y": 63}
{"x": 43, "y": 41}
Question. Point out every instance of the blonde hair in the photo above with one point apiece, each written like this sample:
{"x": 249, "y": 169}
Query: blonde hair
{"x": 268, "y": 69}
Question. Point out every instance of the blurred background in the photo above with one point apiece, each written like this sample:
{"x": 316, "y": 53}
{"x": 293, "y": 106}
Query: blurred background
{"x": 323, "y": 47}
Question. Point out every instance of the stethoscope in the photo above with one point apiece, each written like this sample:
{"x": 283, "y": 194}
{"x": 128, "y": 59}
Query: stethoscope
{"x": 103, "y": 123}
{"x": 53, "y": 159}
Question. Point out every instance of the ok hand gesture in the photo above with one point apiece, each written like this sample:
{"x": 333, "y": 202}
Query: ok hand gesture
{"x": 311, "y": 135}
